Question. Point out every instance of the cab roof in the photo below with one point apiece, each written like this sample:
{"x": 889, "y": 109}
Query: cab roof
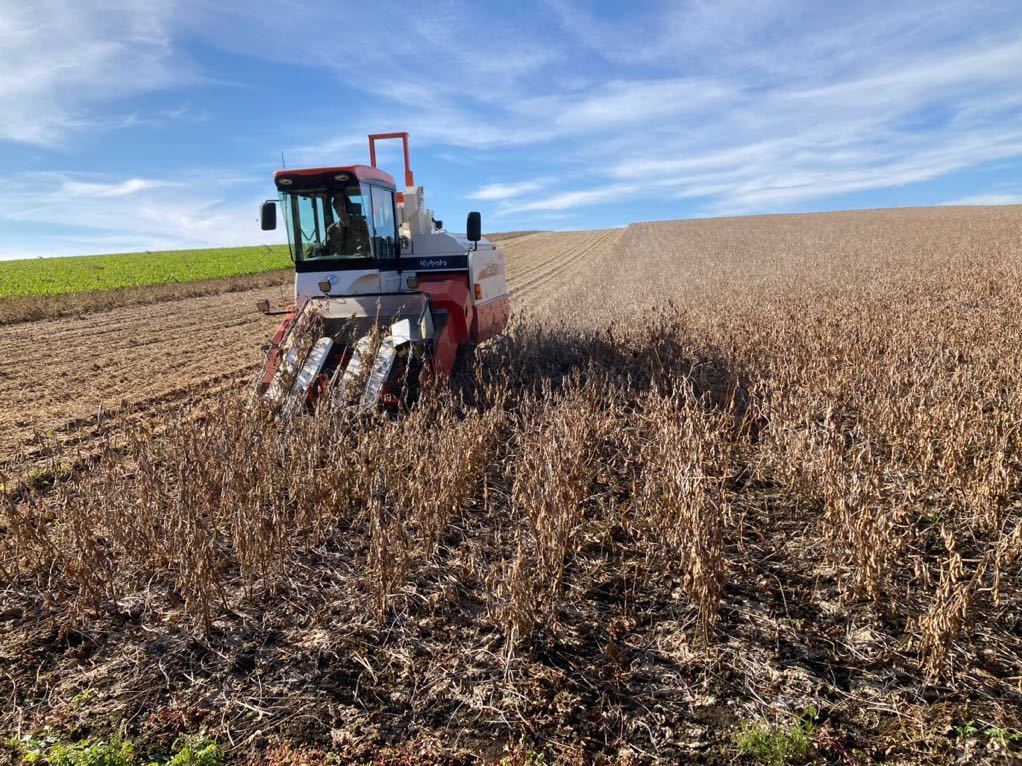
{"x": 326, "y": 176}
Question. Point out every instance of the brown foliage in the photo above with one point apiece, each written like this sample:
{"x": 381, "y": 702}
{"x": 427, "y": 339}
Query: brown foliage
{"x": 797, "y": 485}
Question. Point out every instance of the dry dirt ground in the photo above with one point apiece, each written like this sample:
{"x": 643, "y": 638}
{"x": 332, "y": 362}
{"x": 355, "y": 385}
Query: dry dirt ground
{"x": 60, "y": 377}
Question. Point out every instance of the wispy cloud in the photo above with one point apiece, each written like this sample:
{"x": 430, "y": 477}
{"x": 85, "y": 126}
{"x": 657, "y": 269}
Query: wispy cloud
{"x": 901, "y": 120}
{"x": 572, "y": 199}
{"x": 64, "y": 62}
{"x": 771, "y": 112}
{"x": 498, "y": 191}
{"x": 117, "y": 189}
{"x": 656, "y": 108}
{"x": 72, "y": 215}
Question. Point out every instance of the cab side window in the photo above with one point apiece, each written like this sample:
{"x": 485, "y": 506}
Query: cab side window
{"x": 382, "y": 220}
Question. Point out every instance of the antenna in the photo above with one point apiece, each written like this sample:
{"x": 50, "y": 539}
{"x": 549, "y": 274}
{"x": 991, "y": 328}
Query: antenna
{"x": 283, "y": 164}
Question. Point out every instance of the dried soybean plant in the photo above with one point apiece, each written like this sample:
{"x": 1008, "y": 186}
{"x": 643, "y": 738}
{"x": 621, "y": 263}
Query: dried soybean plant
{"x": 552, "y": 479}
{"x": 818, "y": 453}
{"x": 682, "y": 501}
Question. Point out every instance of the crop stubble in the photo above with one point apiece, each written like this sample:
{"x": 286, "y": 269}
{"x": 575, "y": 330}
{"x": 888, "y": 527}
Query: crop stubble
{"x": 798, "y": 487}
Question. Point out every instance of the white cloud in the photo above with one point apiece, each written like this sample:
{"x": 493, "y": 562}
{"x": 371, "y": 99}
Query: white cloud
{"x": 899, "y": 119}
{"x": 748, "y": 106}
{"x": 570, "y": 200}
{"x": 72, "y": 215}
{"x": 500, "y": 191}
{"x": 724, "y": 105}
{"x": 117, "y": 189}
{"x": 65, "y": 62}
{"x": 620, "y": 103}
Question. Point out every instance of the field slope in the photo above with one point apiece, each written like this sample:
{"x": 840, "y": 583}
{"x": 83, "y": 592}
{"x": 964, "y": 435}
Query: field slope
{"x": 740, "y": 490}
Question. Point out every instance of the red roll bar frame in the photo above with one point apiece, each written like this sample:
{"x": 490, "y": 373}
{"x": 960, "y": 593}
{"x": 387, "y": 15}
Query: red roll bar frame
{"x": 409, "y": 177}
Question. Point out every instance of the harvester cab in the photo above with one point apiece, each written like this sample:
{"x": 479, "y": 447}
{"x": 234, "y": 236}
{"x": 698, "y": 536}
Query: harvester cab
{"x": 384, "y": 294}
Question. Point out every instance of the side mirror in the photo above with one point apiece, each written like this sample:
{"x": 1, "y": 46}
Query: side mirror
{"x": 474, "y": 227}
{"x": 268, "y": 214}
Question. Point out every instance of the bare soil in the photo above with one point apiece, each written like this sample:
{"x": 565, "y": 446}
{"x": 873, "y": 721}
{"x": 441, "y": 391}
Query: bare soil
{"x": 61, "y": 377}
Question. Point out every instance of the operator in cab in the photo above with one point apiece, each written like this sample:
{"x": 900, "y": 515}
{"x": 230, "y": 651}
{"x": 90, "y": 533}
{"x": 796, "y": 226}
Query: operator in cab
{"x": 349, "y": 234}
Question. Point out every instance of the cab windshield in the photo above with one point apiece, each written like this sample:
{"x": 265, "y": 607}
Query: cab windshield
{"x": 352, "y": 222}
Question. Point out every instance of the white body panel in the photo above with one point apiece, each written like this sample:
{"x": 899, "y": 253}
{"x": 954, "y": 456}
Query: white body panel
{"x": 397, "y": 306}
{"x": 353, "y": 371}
{"x": 414, "y": 219}
{"x": 486, "y": 268}
{"x": 355, "y": 282}
{"x": 486, "y": 271}
{"x": 485, "y": 262}
{"x": 380, "y": 372}
{"x": 310, "y": 371}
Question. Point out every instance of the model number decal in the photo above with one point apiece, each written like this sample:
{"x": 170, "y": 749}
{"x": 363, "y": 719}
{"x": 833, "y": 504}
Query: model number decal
{"x": 493, "y": 270}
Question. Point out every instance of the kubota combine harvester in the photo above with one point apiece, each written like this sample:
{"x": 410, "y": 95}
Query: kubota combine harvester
{"x": 384, "y": 294}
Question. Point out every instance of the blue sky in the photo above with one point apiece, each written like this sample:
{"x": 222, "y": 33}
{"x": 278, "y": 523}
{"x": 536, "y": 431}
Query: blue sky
{"x": 158, "y": 124}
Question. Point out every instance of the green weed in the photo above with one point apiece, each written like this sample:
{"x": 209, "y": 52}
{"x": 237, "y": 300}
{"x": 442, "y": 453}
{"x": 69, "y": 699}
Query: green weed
{"x": 50, "y": 751}
{"x": 1003, "y": 736}
{"x": 526, "y": 755}
{"x": 83, "y": 697}
{"x": 195, "y": 751}
{"x": 774, "y": 745}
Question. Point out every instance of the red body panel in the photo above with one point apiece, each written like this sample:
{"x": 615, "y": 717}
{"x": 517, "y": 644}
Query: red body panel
{"x": 450, "y": 292}
{"x": 491, "y": 318}
{"x": 273, "y": 356}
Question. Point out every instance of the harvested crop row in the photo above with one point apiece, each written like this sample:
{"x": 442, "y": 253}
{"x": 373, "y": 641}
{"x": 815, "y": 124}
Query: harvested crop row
{"x": 558, "y": 266}
{"x": 59, "y": 374}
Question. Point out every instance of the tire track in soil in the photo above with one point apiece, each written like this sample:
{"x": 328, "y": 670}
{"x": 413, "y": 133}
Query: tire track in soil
{"x": 576, "y": 251}
{"x": 529, "y": 256}
{"x": 560, "y": 283}
{"x": 81, "y": 442}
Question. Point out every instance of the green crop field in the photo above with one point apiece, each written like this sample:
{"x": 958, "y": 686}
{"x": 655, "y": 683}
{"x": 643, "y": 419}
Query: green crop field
{"x": 88, "y": 273}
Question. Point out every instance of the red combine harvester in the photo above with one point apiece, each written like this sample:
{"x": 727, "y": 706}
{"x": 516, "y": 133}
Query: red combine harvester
{"x": 383, "y": 292}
